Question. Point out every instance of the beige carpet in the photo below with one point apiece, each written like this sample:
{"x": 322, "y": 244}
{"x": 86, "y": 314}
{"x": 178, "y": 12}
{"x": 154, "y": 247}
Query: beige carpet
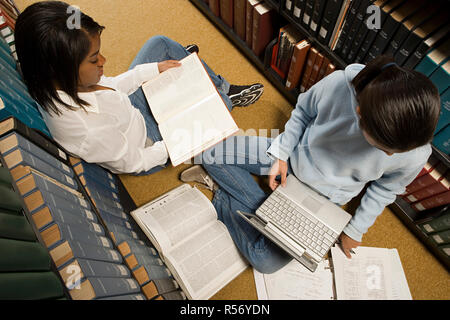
{"x": 129, "y": 23}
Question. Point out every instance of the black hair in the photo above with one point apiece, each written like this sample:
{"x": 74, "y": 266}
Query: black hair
{"x": 399, "y": 107}
{"x": 50, "y": 53}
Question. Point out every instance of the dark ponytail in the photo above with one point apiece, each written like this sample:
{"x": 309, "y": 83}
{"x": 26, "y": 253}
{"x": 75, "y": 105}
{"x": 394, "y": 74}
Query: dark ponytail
{"x": 399, "y": 107}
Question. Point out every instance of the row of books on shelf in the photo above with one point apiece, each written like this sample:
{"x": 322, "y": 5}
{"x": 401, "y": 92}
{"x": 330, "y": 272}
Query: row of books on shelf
{"x": 75, "y": 209}
{"x": 431, "y": 188}
{"x": 15, "y": 99}
{"x": 8, "y": 17}
{"x": 25, "y": 264}
{"x": 360, "y": 30}
{"x": 356, "y": 30}
{"x": 251, "y": 20}
{"x": 299, "y": 64}
{"x": 435, "y": 225}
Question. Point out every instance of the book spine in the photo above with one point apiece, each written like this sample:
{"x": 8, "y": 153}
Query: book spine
{"x": 131, "y": 297}
{"x": 299, "y": 8}
{"x": 134, "y": 261}
{"x": 69, "y": 250}
{"x": 104, "y": 190}
{"x": 119, "y": 233}
{"x": 58, "y": 233}
{"x": 22, "y": 157}
{"x": 44, "y": 218}
{"x": 93, "y": 268}
{"x": 345, "y": 31}
{"x": 146, "y": 273}
{"x": 15, "y": 227}
{"x": 226, "y": 12}
{"x": 383, "y": 37}
{"x": 249, "y": 23}
{"x": 435, "y": 225}
{"x": 110, "y": 218}
{"x": 329, "y": 20}
{"x": 370, "y": 38}
{"x": 262, "y": 30}
{"x": 30, "y": 285}
{"x": 428, "y": 179}
{"x": 360, "y": 30}
{"x": 323, "y": 69}
{"x": 288, "y": 5}
{"x": 174, "y": 295}
{"x": 319, "y": 7}
{"x": 312, "y": 54}
{"x": 296, "y": 67}
{"x": 104, "y": 287}
{"x": 440, "y": 77}
{"x": 23, "y": 256}
{"x": 137, "y": 247}
{"x": 442, "y": 140}
{"x": 159, "y": 286}
{"x": 34, "y": 182}
{"x": 315, "y": 70}
{"x": 307, "y": 14}
{"x": 440, "y": 238}
{"x": 429, "y": 191}
{"x": 445, "y": 249}
{"x": 432, "y": 202}
{"x": 397, "y": 40}
{"x": 239, "y": 18}
{"x": 33, "y": 149}
{"x": 9, "y": 200}
{"x": 444, "y": 116}
{"x": 214, "y": 5}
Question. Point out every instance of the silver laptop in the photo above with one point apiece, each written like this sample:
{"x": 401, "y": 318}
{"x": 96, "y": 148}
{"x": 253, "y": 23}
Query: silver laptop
{"x": 299, "y": 220}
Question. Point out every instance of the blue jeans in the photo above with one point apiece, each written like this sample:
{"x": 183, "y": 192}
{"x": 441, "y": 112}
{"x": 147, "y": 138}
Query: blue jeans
{"x": 157, "y": 49}
{"x": 231, "y": 165}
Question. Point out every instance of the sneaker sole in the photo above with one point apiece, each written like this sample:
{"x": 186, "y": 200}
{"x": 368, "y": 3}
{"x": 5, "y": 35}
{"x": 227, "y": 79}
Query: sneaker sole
{"x": 247, "y": 96}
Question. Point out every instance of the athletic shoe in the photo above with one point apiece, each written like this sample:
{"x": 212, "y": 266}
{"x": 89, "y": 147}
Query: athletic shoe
{"x": 198, "y": 174}
{"x": 243, "y": 96}
{"x": 192, "y": 48}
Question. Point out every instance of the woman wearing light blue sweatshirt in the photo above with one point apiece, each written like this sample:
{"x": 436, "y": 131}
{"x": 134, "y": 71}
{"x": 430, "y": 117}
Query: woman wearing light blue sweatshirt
{"x": 365, "y": 125}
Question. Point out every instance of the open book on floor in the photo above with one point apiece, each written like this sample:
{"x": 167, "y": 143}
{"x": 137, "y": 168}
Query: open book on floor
{"x": 371, "y": 274}
{"x": 197, "y": 248}
{"x": 189, "y": 110}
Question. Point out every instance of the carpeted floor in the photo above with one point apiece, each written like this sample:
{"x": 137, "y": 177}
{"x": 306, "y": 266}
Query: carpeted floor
{"x": 129, "y": 23}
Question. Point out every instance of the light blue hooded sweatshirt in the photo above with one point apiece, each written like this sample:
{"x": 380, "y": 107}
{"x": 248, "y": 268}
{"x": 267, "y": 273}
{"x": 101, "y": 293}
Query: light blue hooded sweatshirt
{"x": 326, "y": 149}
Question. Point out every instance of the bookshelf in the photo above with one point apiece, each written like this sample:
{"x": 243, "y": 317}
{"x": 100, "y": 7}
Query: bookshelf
{"x": 408, "y": 216}
{"x": 400, "y": 207}
{"x": 124, "y": 200}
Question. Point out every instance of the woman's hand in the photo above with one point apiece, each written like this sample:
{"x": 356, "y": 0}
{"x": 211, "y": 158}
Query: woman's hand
{"x": 167, "y": 64}
{"x": 347, "y": 244}
{"x": 279, "y": 167}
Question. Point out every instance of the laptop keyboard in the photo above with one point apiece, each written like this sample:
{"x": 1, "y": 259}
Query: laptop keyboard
{"x": 300, "y": 225}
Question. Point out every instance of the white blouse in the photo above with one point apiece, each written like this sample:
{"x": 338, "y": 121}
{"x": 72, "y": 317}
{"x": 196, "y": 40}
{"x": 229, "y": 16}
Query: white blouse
{"x": 112, "y": 132}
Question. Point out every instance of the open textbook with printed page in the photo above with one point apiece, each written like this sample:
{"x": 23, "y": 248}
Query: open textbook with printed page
{"x": 189, "y": 110}
{"x": 371, "y": 274}
{"x": 197, "y": 248}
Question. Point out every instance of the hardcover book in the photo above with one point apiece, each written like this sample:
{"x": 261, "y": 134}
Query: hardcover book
{"x": 191, "y": 114}
{"x": 197, "y": 248}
